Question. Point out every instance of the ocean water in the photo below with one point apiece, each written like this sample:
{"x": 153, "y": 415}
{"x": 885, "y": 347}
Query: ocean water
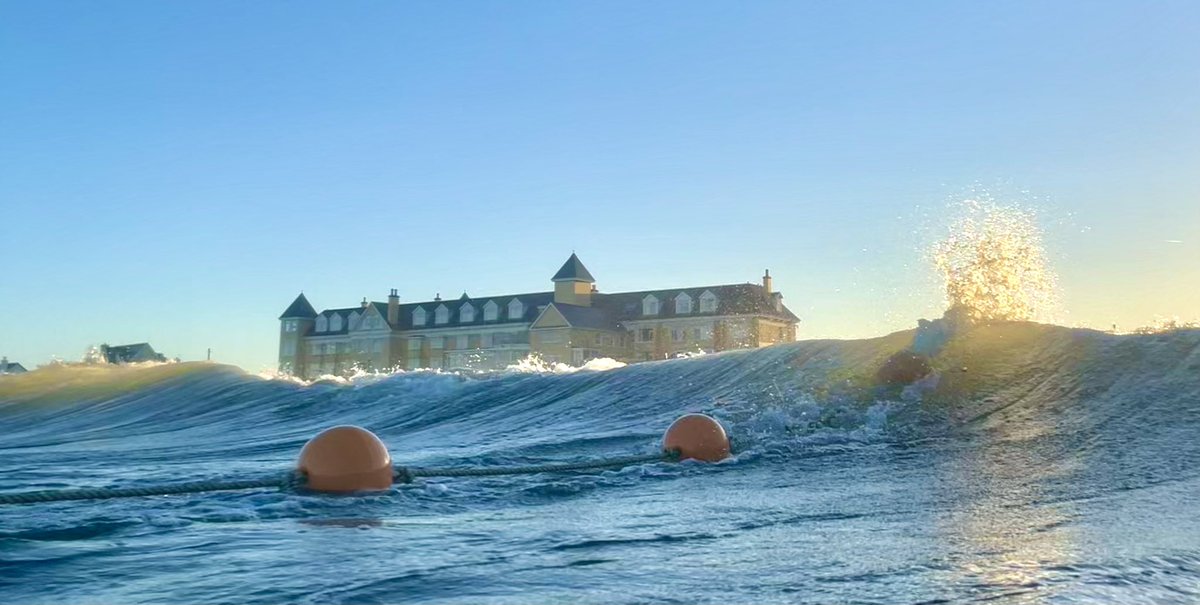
{"x": 1039, "y": 464}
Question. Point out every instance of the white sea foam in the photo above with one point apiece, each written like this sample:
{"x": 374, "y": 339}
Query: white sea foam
{"x": 994, "y": 265}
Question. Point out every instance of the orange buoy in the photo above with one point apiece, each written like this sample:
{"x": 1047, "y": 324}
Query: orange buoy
{"x": 697, "y": 436}
{"x": 345, "y": 459}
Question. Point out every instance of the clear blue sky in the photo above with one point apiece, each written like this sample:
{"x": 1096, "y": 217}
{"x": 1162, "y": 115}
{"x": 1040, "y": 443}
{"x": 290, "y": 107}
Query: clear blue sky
{"x": 177, "y": 171}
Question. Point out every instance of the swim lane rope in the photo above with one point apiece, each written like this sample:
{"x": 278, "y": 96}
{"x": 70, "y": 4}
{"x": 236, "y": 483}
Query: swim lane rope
{"x": 294, "y": 479}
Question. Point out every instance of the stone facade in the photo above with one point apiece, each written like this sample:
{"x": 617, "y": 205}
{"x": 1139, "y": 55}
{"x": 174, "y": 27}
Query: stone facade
{"x": 572, "y": 324}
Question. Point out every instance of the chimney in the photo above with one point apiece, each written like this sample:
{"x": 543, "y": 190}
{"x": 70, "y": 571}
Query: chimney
{"x": 364, "y": 302}
{"x": 767, "y": 281}
{"x": 393, "y": 307}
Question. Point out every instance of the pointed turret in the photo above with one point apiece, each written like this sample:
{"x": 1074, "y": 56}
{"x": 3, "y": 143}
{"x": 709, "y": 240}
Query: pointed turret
{"x": 573, "y": 284}
{"x": 573, "y": 270}
{"x": 294, "y": 324}
{"x": 299, "y": 309}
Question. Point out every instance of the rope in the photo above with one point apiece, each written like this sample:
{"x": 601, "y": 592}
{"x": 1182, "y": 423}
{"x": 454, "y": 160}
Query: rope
{"x": 406, "y": 475}
{"x": 292, "y": 480}
{"x": 288, "y": 481}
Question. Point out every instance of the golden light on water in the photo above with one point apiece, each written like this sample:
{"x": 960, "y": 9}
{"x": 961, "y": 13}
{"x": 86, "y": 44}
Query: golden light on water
{"x": 994, "y": 265}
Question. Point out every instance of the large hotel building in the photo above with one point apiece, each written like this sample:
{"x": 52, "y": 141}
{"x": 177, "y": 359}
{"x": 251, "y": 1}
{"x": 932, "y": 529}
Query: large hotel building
{"x": 572, "y": 324}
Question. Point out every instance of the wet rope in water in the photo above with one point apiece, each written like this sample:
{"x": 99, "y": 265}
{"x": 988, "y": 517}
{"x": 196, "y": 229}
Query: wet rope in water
{"x": 406, "y": 475}
{"x": 288, "y": 481}
{"x": 292, "y": 480}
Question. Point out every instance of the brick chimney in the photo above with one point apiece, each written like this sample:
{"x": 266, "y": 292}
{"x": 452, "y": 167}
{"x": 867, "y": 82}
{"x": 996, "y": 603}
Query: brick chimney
{"x": 393, "y": 307}
{"x": 767, "y": 281}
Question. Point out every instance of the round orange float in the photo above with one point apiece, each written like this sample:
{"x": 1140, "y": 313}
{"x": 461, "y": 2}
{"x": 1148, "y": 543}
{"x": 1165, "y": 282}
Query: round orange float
{"x": 345, "y": 459}
{"x": 698, "y": 437}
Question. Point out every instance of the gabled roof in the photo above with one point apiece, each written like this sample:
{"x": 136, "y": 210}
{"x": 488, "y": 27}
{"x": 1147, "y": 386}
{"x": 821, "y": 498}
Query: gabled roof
{"x": 586, "y": 317}
{"x": 12, "y": 367}
{"x": 573, "y": 270}
{"x": 345, "y": 315}
{"x": 300, "y": 308}
{"x": 606, "y": 313}
{"x": 530, "y": 301}
{"x": 732, "y": 299}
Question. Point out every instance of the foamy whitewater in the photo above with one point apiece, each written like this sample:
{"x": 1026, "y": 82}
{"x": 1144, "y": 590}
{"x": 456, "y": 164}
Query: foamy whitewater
{"x": 1039, "y": 464}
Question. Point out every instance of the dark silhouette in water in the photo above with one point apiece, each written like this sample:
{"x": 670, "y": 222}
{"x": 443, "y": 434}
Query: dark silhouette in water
{"x": 914, "y": 363}
{"x": 902, "y": 368}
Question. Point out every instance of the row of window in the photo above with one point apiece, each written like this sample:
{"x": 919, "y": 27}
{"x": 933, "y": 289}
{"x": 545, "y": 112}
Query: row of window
{"x": 677, "y": 334}
{"x": 683, "y": 303}
{"x": 470, "y": 341}
{"x": 466, "y": 313}
{"x": 342, "y": 348}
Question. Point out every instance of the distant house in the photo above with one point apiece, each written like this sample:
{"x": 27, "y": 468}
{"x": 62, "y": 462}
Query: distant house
{"x": 130, "y": 353}
{"x": 10, "y": 368}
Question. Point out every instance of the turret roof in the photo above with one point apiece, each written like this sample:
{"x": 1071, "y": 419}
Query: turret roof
{"x": 300, "y": 308}
{"x": 573, "y": 270}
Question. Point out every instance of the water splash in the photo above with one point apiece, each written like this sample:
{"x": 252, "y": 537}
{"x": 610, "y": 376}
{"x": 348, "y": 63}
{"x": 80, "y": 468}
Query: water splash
{"x": 994, "y": 265}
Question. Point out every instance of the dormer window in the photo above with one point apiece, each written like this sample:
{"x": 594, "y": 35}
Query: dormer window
{"x": 466, "y": 313}
{"x": 335, "y": 323}
{"x": 441, "y": 315}
{"x": 322, "y": 324}
{"x": 419, "y": 316}
{"x": 708, "y": 302}
{"x": 355, "y": 321}
{"x": 490, "y": 311}
{"x": 683, "y": 303}
{"x": 650, "y": 305}
{"x": 516, "y": 310}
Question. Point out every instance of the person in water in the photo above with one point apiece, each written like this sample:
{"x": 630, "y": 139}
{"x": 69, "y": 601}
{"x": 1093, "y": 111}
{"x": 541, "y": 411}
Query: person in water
{"x": 909, "y": 365}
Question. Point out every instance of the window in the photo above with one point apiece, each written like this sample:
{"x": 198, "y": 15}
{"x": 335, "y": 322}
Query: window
{"x": 708, "y": 302}
{"x": 516, "y": 310}
{"x": 683, "y": 303}
{"x": 441, "y": 315}
{"x": 510, "y": 338}
{"x": 650, "y": 305}
{"x": 436, "y": 342}
{"x": 414, "y": 344}
{"x": 490, "y": 311}
{"x": 466, "y": 313}
{"x": 322, "y": 324}
{"x": 677, "y": 335}
{"x": 335, "y": 323}
{"x": 462, "y": 342}
{"x": 645, "y": 335}
{"x": 377, "y": 345}
{"x": 697, "y": 334}
{"x": 289, "y": 325}
{"x": 485, "y": 341}
{"x": 289, "y": 347}
{"x": 355, "y": 320}
{"x": 419, "y": 316}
